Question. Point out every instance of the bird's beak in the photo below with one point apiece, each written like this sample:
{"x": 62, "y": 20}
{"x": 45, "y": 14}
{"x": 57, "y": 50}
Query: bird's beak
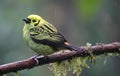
{"x": 27, "y": 20}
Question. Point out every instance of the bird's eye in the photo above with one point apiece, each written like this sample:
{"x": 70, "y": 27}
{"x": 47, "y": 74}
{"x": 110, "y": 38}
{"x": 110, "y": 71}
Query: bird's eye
{"x": 33, "y": 20}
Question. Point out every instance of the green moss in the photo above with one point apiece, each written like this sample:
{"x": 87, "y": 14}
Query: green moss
{"x": 75, "y": 65}
{"x": 16, "y": 74}
{"x": 4, "y": 74}
{"x": 112, "y": 54}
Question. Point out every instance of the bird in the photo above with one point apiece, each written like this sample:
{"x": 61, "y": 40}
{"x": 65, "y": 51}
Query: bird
{"x": 43, "y": 38}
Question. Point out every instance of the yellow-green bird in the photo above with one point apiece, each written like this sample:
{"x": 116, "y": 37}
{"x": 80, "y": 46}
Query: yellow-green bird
{"x": 43, "y": 38}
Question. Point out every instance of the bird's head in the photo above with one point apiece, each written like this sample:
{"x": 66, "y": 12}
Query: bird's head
{"x": 33, "y": 20}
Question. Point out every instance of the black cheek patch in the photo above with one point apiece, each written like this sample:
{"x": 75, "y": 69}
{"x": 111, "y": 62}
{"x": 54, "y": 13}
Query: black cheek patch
{"x": 37, "y": 23}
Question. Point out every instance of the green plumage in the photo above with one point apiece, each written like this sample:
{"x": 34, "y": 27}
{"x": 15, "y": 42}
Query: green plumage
{"x": 43, "y": 37}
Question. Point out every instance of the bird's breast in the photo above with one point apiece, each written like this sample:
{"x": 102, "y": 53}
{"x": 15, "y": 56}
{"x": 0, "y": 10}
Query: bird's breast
{"x": 40, "y": 49}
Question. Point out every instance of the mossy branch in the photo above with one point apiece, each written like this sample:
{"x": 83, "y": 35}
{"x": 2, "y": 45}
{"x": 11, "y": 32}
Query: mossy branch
{"x": 57, "y": 57}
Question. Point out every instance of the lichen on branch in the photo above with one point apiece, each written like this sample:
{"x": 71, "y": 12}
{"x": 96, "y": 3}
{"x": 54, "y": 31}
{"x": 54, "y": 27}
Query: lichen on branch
{"x": 58, "y": 57}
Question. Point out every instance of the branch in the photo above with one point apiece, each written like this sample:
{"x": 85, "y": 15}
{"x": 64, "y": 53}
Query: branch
{"x": 31, "y": 62}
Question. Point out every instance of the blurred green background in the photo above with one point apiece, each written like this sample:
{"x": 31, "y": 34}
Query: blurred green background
{"x": 81, "y": 21}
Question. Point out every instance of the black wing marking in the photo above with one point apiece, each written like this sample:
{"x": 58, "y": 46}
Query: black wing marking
{"x": 52, "y": 43}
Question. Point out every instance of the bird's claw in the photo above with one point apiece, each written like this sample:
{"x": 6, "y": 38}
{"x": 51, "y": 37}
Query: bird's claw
{"x": 36, "y": 58}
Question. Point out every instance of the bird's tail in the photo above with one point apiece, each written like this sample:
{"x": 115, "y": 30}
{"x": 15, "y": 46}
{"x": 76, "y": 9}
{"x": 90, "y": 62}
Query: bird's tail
{"x": 73, "y": 48}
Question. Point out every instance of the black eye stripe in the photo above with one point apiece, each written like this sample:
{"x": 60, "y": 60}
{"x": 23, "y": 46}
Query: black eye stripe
{"x": 33, "y": 20}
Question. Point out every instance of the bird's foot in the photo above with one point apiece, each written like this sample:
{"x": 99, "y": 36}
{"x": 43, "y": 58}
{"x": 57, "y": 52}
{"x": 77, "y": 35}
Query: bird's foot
{"x": 36, "y": 57}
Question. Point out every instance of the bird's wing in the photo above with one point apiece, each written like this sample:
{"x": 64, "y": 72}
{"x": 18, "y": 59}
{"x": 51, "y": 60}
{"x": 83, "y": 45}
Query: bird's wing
{"x": 48, "y": 35}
